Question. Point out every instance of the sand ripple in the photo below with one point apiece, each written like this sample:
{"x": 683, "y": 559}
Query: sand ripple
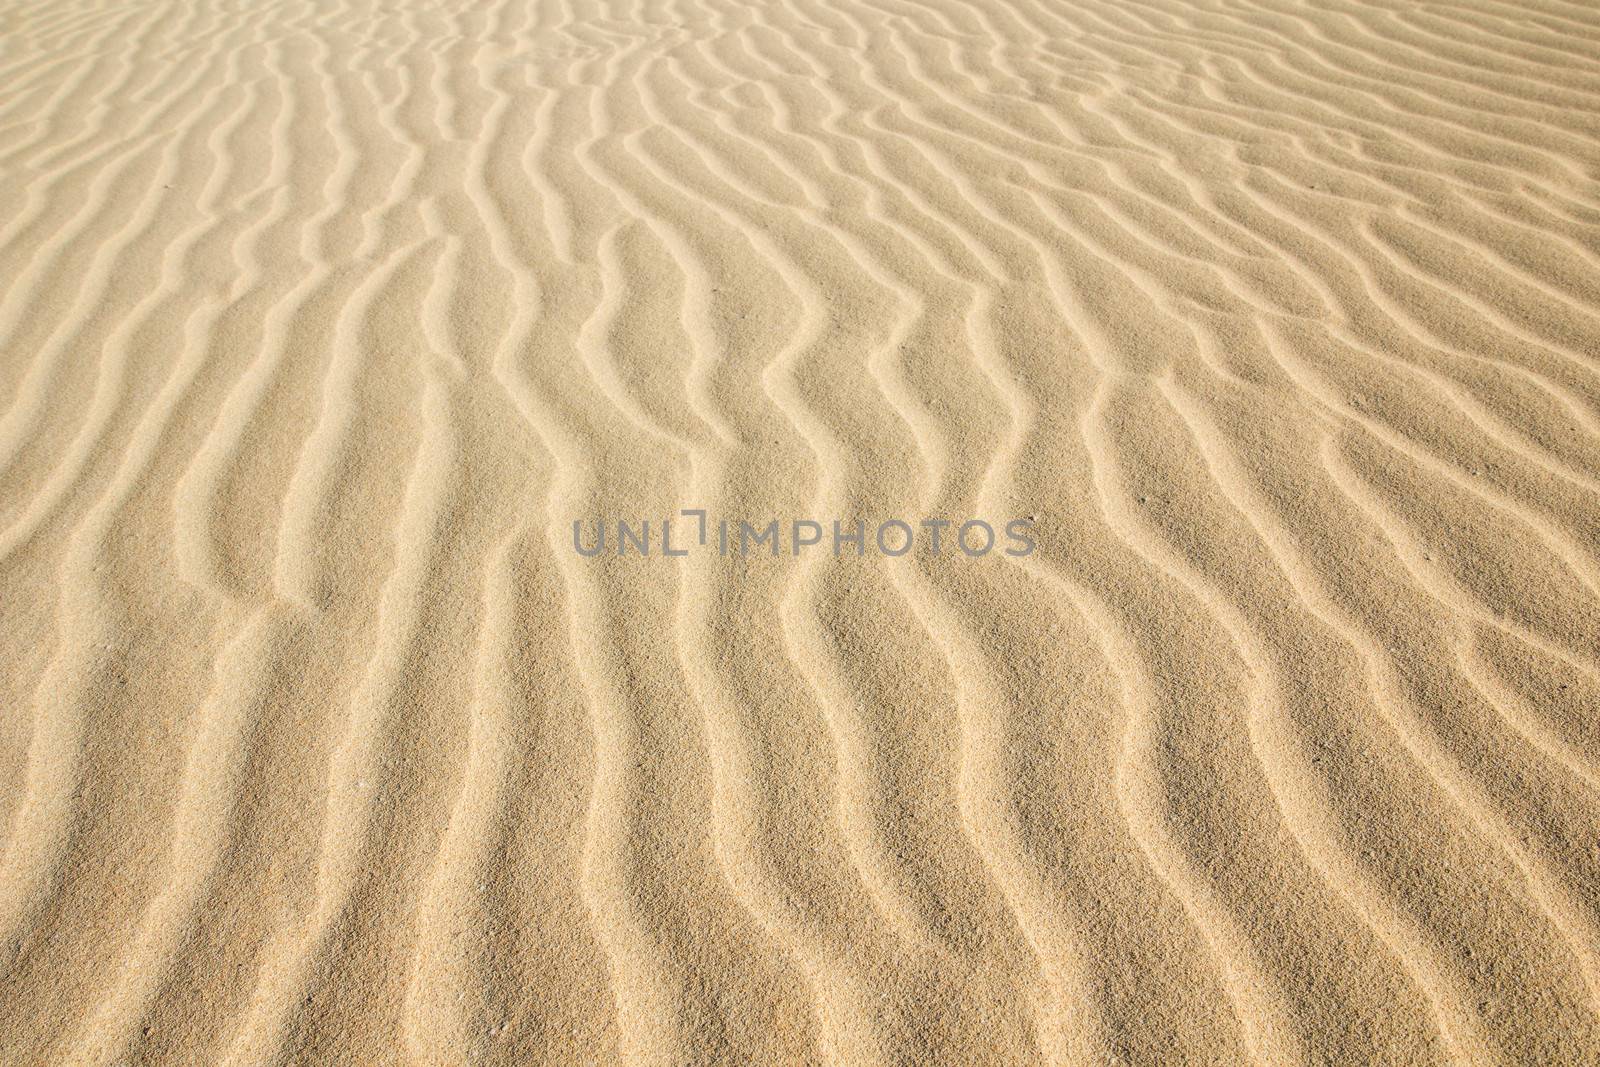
{"x": 323, "y": 320}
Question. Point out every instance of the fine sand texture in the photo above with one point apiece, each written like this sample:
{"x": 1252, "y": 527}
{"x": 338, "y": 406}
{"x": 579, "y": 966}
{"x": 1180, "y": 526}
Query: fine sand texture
{"x": 323, "y": 321}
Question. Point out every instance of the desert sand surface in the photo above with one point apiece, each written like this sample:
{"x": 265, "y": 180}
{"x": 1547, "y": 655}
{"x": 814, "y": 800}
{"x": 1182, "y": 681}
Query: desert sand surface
{"x": 323, "y": 323}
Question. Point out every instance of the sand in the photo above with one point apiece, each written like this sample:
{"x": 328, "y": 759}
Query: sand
{"x": 322, "y": 323}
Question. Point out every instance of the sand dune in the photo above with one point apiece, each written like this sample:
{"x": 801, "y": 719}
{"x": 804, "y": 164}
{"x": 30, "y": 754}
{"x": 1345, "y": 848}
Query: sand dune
{"x": 322, "y": 323}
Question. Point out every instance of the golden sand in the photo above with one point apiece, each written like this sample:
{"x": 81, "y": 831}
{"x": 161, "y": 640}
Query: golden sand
{"x": 322, "y": 322}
